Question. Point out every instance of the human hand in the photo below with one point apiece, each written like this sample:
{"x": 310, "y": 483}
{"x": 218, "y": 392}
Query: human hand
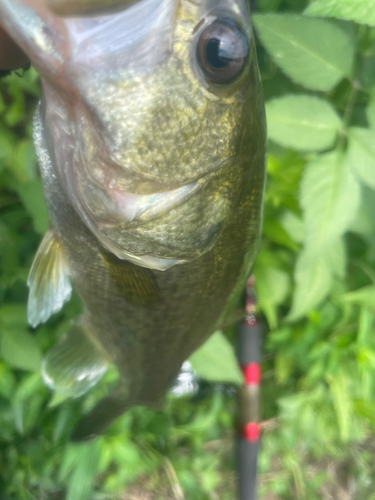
{"x": 11, "y": 56}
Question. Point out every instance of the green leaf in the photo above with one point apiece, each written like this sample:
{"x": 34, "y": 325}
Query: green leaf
{"x": 302, "y": 122}
{"x": 30, "y": 385}
{"x": 365, "y": 327}
{"x": 81, "y": 482}
{"x": 9, "y": 258}
{"x": 272, "y": 286}
{"x": 216, "y": 361}
{"x": 364, "y": 222}
{"x": 31, "y": 412}
{"x": 274, "y": 230}
{"x": 361, "y": 154}
{"x": 56, "y": 399}
{"x": 293, "y": 225}
{"x": 7, "y": 146}
{"x": 7, "y": 381}
{"x": 364, "y": 296}
{"x": 330, "y": 198}
{"x": 361, "y": 11}
{"x": 313, "y": 283}
{"x": 336, "y": 258}
{"x": 32, "y": 198}
{"x": 283, "y": 367}
{"x": 313, "y": 277}
{"x": 342, "y": 403}
{"x": 366, "y": 409}
{"x": 370, "y": 112}
{"x": 19, "y": 349}
{"x": 13, "y": 315}
{"x": 313, "y": 52}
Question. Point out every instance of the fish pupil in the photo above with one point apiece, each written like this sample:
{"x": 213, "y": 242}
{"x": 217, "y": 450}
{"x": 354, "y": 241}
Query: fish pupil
{"x": 222, "y": 51}
{"x": 216, "y": 55}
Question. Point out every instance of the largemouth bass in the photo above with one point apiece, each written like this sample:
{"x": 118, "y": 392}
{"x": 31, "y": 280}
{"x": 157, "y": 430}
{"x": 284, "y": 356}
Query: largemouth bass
{"x": 150, "y": 137}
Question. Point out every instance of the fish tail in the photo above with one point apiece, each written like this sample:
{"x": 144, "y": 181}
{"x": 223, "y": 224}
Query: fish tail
{"x": 104, "y": 413}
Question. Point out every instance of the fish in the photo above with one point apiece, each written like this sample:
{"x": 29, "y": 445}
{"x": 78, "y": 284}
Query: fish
{"x": 150, "y": 136}
{"x": 87, "y": 7}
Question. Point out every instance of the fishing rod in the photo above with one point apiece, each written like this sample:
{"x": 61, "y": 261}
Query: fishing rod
{"x": 249, "y": 351}
{"x": 249, "y": 339}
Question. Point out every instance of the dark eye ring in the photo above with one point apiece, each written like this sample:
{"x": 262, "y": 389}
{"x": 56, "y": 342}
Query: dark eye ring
{"x": 222, "y": 51}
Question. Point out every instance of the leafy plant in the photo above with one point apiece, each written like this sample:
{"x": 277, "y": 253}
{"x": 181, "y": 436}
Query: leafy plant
{"x": 315, "y": 281}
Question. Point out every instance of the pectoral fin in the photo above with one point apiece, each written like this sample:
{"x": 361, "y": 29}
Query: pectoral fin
{"x": 48, "y": 281}
{"x": 75, "y": 364}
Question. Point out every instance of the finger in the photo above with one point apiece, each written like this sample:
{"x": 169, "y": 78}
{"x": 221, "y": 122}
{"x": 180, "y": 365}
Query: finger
{"x": 11, "y": 56}
{"x": 87, "y": 7}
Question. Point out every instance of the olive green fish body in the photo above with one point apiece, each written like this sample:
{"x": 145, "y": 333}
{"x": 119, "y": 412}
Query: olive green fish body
{"x": 151, "y": 142}
{"x": 181, "y": 306}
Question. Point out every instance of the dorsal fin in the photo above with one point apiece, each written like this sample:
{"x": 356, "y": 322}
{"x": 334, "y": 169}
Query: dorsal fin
{"x": 75, "y": 363}
{"x": 48, "y": 281}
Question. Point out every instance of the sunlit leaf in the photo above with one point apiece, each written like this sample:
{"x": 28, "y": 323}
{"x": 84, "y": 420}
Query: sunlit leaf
{"x": 330, "y": 197}
{"x": 283, "y": 367}
{"x": 366, "y": 409}
{"x": 364, "y": 222}
{"x": 313, "y": 52}
{"x": 272, "y": 286}
{"x": 337, "y": 258}
{"x": 19, "y": 349}
{"x": 364, "y": 296}
{"x": 216, "y": 361}
{"x": 361, "y": 154}
{"x": 302, "y": 122}
{"x": 342, "y": 403}
{"x": 81, "y": 482}
{"x": 361, "y": 11}
{"x": 365, "y": 327}
{"x": 293, "y": 225}
{"x": 313, "y": 282}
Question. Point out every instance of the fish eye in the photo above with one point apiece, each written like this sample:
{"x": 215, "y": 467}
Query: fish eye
{"x": 222, "y": 51}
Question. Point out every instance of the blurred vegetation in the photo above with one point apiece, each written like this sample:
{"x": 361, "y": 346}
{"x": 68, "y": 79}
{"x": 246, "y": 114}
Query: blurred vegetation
{"x": 315, "y": 278}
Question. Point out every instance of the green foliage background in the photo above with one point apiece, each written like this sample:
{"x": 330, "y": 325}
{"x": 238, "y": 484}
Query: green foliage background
{"x": 315, "y": 279}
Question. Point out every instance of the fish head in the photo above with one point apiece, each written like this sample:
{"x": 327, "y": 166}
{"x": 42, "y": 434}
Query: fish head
{"x": 152, "y": 117}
